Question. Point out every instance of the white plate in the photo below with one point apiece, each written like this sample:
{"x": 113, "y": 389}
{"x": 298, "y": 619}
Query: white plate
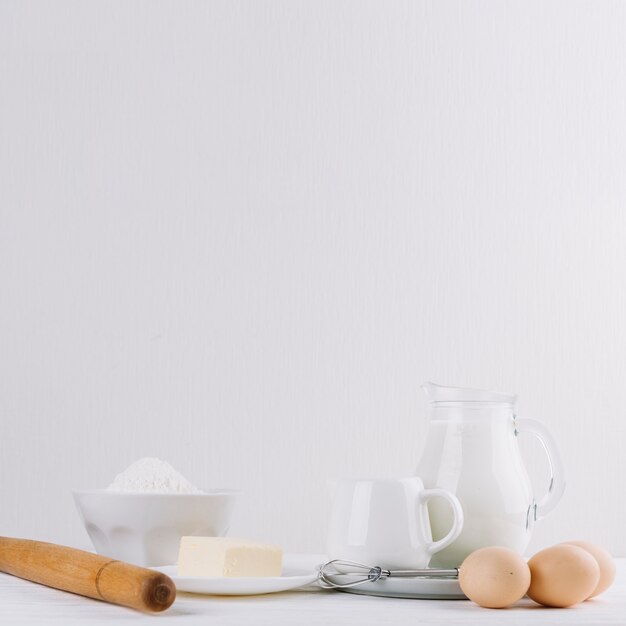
{"x": 419, "y": 588}
{"x": 293, "y": 576}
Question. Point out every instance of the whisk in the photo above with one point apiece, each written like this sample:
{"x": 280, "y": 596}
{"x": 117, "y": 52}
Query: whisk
{"x": 332, "y": 570}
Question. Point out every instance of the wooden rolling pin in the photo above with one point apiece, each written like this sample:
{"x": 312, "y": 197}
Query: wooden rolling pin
{"x": 87, "y": 574}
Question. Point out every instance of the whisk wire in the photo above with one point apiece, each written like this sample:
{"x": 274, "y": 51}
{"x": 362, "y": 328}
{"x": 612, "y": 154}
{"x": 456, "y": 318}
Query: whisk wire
{"x": 330, "y": 573}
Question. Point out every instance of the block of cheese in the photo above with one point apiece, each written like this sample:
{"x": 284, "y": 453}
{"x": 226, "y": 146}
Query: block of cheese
{"x": 227, "y": 556}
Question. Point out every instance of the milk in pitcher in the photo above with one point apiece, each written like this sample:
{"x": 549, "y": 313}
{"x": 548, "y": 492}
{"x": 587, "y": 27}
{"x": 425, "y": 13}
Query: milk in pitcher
{"x": 472, "y": 451}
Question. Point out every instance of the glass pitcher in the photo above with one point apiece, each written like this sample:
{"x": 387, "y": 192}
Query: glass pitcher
{"x": 472, "y": 450}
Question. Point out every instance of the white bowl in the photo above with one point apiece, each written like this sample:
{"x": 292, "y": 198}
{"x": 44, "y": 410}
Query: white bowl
{"x": 145, "y": 528}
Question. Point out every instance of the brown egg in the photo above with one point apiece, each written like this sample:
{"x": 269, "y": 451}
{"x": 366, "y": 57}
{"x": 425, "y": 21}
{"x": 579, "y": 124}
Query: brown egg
{"x": 605, "y": 561}
{"x": 562, "y": 575}
{"x": 494, "y": 577}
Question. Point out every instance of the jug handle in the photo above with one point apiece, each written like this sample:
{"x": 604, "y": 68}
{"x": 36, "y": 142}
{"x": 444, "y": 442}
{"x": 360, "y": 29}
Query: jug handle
{"x": 557, "y": 473}
{"x": 457, "y": 510}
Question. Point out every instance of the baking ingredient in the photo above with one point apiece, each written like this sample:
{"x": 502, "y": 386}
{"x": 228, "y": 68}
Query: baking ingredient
{"x": 494, "y": 577}
{"x": 227, "y": 556}
{"x": 472, "y": 450}
{"x": 562, "y": 576}
{"x": 605, "y": 562}
{"x": 494, "y": 494}
{"x": 150, "y": 475}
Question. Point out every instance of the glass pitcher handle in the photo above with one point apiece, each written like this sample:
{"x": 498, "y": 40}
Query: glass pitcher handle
{"x": 557, "y": 474}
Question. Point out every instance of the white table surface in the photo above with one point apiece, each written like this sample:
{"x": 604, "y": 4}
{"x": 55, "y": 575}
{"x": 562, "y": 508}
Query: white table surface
{"x": 23, "y": 602}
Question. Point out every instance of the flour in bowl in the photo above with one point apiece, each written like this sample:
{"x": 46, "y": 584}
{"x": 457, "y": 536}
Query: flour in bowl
{"x": 150, "y": 475}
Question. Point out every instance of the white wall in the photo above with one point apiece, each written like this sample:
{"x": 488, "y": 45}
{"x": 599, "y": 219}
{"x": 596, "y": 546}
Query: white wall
{"x": 239, "y": 235}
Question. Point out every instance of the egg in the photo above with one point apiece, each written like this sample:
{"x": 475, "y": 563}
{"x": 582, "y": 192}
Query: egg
{"x": 494, "y": 577}
{"x": 605, "y": 561}
{"x": 562, "y": 576}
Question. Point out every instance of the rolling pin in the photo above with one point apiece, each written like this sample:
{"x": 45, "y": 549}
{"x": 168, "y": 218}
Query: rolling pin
{"x": 87, "y": 574}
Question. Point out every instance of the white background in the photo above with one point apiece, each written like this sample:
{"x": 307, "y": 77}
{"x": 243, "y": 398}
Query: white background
{"x": 239, "y": 235}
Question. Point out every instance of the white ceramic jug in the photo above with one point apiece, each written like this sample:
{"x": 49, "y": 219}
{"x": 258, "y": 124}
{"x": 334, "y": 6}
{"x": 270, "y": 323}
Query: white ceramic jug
{"x": 471, "y": 450}
{"x": 385, "y": 522}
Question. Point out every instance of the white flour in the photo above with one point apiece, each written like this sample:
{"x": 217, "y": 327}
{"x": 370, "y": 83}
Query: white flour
{"x": 150, "y": 475}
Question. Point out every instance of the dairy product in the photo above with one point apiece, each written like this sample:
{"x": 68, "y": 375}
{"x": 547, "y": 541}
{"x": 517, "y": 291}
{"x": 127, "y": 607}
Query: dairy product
{"x": 151, "y": 475}
{"x": 227, "y": 556}
{"x": 472, "y": 451}
{"x": 478, "y": 460}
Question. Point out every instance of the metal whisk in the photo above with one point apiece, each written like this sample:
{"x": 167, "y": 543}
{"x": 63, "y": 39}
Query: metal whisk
{"x": 332, "y": 570}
